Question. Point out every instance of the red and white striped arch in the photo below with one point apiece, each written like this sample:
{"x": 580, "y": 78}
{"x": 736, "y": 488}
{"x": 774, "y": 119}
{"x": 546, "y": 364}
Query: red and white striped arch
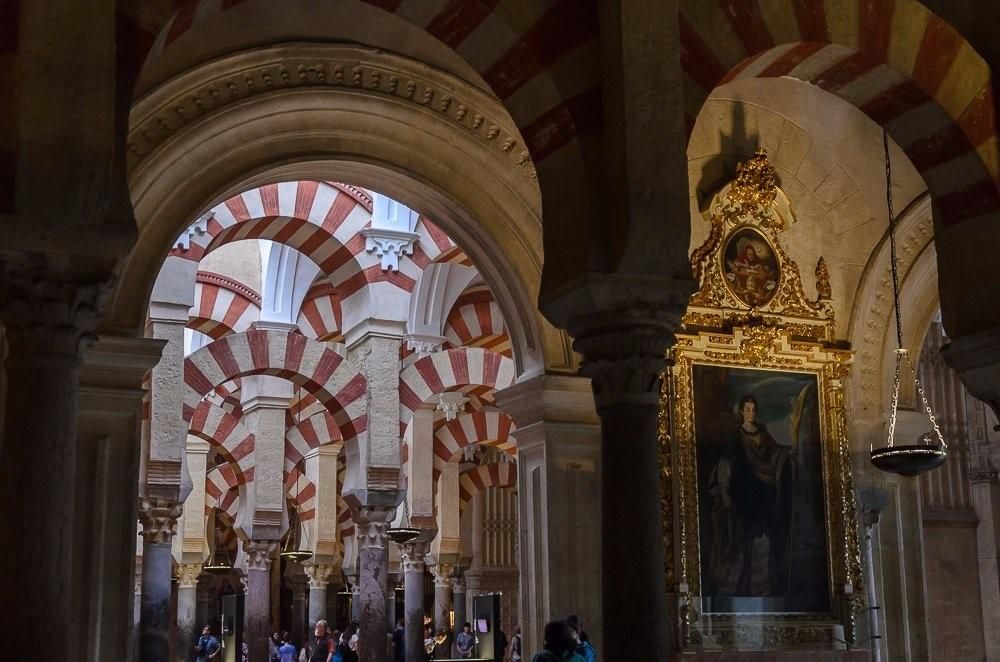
{"x": 317, "y": 430}
{"x": 472, "y": 370}
{"x": 321, "y": 316}
{"x": 539, "y": 58}
{"x": 489, "y": 427}
{"x": 228, "y": 435}
{"x": 301, "y": 492}
{"x": 307, "y": 363}
{"x": 903, "y": 66}
{"x": 222, "y": 305}
{"x": 476, "y": 321}
{"x": 222, "y": 491}
{"x": 473, "y": 481}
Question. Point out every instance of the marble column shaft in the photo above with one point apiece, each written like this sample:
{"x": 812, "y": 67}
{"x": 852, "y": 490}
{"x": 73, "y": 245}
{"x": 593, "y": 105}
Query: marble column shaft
{"x": 458, "y": 600}
{"x": 373, "y": 576}
{"x": 257, "y": 614}
{"x": 159, "y": 522}
{"x": 442, "y": 595}
{"x": 319, "y": 579}
{"x": 390, "y": 603}
{"x": 187, "y": 610}
{"x": 413, "y": 598}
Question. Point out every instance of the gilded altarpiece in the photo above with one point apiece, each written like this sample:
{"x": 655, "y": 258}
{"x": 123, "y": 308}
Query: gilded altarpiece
{"x": 759, "y": 517}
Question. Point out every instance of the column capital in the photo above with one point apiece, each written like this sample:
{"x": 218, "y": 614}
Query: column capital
{"x": 412, "y": 557}
{"x": 47, "y": 310}
{"x": 372, "y": 523}
{"x": 983, "y": 476}
{"x": 187, "y": 575}
{"x": 442, "y": 574}
{"x": 319, "y": 574}
{"x": 159, "y": 519}
{"x": 458, "y": 584}
{"x": 259, "y": 553}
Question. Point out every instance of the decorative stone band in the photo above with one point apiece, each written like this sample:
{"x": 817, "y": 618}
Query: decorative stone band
{"x": 442, "y": 574}
{"x": 412, "y": 557}
{"x": 159, "y": 520}
{"x": 259, "y": 553}
{"x": 187, "y": 575}
{"x": 46, "y": 311}
{"x": 319, "y": 575}
{"x": 987, "y": 476}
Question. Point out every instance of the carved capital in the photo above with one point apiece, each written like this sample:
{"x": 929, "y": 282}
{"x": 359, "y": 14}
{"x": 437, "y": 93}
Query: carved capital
{"x": 984, "y": 476}
{"x": 424, "y": 345}
{"x": 389, "y": 245}
{"x": 372, "y": 534}
{"x": 47, "y": 311}
{"x": 187, "y": 575}
{"x": 319, "y": 575}
{"x": 443, "y": 573}
{"x": 159, "y": 519}
{"x": 412, "y": 557}
{"x": 259, "y": 553}
{"x": 458, "y": 584}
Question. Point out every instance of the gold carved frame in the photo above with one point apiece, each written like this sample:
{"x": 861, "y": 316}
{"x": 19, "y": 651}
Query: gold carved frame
{"x": 790, "y": 333}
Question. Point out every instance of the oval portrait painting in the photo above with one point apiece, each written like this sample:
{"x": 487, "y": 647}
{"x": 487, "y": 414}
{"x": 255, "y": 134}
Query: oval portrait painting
{"x": 750, "y": 267}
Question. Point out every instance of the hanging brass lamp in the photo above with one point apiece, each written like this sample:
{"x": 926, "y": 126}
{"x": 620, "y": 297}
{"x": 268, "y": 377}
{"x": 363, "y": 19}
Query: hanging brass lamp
{"x": 930, "y": 450}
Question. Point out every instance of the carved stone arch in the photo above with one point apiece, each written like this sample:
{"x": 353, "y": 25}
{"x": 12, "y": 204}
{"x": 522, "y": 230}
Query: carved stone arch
{"x": 492, "y": 210}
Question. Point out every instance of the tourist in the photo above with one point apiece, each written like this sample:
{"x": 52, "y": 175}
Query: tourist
{"x": 286, "y": 652}
{"x": 429, "y": 642}
{"x": 323, "y": 644}
{"x": 399, "y": 641}
{"x": 337, "y": 656}
{"x": 273, "y": 644}
{"x": 442, "y": 644}
{"x": 583, "y": 646}
{"x": 559, "y": 644}
{"x": 515, "y": 645}
{"x": 464, "y": 642}
{"x": 348, "y": 646}
{"x": 208, "y": 647}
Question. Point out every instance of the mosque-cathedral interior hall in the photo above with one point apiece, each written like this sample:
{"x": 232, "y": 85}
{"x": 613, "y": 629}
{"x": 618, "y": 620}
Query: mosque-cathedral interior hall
{"x": 499, "y": 330}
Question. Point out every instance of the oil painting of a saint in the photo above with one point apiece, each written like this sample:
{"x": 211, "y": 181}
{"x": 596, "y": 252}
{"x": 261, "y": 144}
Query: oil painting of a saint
{"x": 750, "y": 267}
{"x": 760, "y": 491}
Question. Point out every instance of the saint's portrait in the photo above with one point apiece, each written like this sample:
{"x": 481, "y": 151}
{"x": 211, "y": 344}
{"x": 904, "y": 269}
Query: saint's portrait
{"x": 762, "y": 529}
{"x": 750, "y": 267}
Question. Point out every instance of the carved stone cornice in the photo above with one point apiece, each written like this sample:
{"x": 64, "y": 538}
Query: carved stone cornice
{"x": 187, "y": 575}
{"x": 49, "y": 312}
{"x": 319, "y": 575}
{"x": 205, "y": 90}
{"x": 389, "y": 245}
{"x": 259, "y": 553}
{"x": 159, "y": 519}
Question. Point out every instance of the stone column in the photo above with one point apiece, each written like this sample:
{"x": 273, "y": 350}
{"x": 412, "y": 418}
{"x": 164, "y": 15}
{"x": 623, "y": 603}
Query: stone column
{"x": 354, "y": 585}
{"x": 159, "y": 522}
{"x": 458, "y": 598}
{"x": 390, "y": 602}
{"x": 624, "y": 357}
{"x": 207, "y": 601}
{"x": 986, "y": 500}
{"x": 412, "y": 563}
{"x": 558, "y": 471}
{"x": 442, "y": 594}
{"x": 373, "y": 576}
{"x": 257, "y": 612}
{"x": 49, "y": 319}
{"x": 300, "y": 600}
{"x": 187, "y": 606}
{"x": 319, "y": 579}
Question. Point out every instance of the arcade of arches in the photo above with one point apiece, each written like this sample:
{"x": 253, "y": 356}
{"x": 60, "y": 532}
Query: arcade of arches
{"x": 291, "y": 275}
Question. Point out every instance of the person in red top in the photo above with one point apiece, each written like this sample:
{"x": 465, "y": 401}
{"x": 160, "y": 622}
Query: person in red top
{"x": 323, "y": 644}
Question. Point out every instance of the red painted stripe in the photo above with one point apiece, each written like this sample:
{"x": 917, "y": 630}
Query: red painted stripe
{"x": 471, "y": 296}
{"x": 491, "y": 368}
{"x": 875, "y": 20}
{"x": 748, "y": 23}
{"x": 238, "y": 208}
{"x": 352, "y": 390}
{"x": 132, "y": 44}
{"x": 243, "y": 448}
{"x": 224, "y": 428}
{"x": 460, "y": 365}
{"x": 484, "y": 314}
{"x": 457, "y": 322}
{"x": 938, "y": 48}
{"x": 235, "y": 311}
{"x": 206, "y": 302}
{"x": 735, "y": 71}
{"x": 183, "y": 20}
{"x": 506, "y": 423}
{"x": 295, "y": 347}
{"x": 388, "y": 5}
{"x": 342, "y": 206}
{"x": 479, "y": 422}
{"x": 286, "y": 227}
{"x": 974, "y": 200}
{"x": 259, "y": 344}
{"x": 269, "y": 199}
{"x": 222, "y": 352}
{"x": 428, "y": 372}
{"x": 441, "y": 240}
{"x": 578, "y": 116}
{"x": 846, "y": 71}
{"x": 407, "y": 397}
{"x": 458, "y": 19}
{"x": 893, "y": 102}
{"x": 939, "y": 147}
{"x": 419, "y": 257}
{"x": 565, "y": 26}
{"x": 199, "y": 417}
{"x": 311, "y": 312}
{"x": 305, "y": 194}
{"x": 375, "y": 274}
{"x": 791, "y": 58}
{"x": 697, "y": 59}
{"x": 978, "y": 120}
{"x": 351, "y": 284}
{"x": 314, "y": 241}
{"x": 811, "y": 17}
{"x": 441, "y": 452}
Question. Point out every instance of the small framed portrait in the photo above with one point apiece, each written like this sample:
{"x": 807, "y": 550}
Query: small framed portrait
{"x": 750, "y": 267}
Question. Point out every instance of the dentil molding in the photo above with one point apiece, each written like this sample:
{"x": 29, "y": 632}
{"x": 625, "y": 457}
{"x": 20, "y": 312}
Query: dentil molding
{"x": 185, "y": 99}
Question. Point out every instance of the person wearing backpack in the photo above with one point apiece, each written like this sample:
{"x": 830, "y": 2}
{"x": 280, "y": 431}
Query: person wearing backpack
{"x": 582, "y": 642}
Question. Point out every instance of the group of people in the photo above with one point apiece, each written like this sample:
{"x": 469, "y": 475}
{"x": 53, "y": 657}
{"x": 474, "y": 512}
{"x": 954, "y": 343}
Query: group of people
{"x": 565, "y": 641}
{"x": 334, "y": 646}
